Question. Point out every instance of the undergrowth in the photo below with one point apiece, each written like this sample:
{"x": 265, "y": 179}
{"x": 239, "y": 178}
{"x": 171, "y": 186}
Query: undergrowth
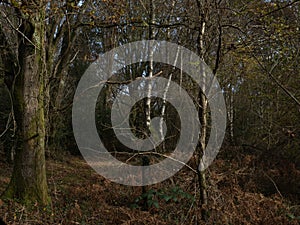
{"x": 242, "y": 190}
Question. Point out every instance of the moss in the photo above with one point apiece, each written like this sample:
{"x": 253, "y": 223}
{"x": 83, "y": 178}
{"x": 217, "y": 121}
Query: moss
{"x": 8, "y": 193}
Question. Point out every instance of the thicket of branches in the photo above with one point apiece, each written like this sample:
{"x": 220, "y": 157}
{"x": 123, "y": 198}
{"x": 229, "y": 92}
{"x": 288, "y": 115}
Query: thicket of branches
{"x": 253, "y": 48}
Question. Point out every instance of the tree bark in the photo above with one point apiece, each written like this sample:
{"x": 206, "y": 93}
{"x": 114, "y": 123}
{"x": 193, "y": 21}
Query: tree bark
{"x": 28, "y": 182}
{"x": 150, "y": 69}
{"x": 202, "y": 13}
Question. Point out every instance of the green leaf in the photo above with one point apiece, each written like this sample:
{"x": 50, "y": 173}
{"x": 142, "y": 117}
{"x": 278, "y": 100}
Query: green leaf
{"x": 155, "y": 204}
{"x": 290, "y": 216}
{"x": 166, "y": 198}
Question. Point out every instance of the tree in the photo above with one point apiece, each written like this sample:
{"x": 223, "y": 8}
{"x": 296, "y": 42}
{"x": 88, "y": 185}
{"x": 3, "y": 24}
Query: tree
{"x": 265, "y": 93}
{"x": 28, "y": 181}
{"x": 44, "y": 34}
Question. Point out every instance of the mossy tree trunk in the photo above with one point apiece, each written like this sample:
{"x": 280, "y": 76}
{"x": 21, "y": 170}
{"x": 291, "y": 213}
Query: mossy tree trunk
{"x": 28, "y": 182}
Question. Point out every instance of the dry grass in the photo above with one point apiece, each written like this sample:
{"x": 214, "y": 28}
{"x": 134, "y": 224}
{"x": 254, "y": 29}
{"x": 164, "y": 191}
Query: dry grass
{"x": 242, "y": 190}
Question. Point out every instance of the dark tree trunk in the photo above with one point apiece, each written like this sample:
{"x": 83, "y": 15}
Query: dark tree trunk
{"x": 28, "y": 182}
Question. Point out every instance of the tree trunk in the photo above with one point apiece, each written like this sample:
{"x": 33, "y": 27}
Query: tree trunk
{"x": 28, "y": 182}
{"x": 202, "y": 113}
{"x": 150, "y": 69}
{"x": 201, "y": 174}
{"x": 231, "y": 114}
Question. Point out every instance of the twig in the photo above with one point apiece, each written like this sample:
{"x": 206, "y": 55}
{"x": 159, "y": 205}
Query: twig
{"x": 269, "y": 72}
{"x": 7, "y": 125}
{"x": 17, "y": 29}
{"x": 11, "y": 117}
{"x": 273, "y": 184}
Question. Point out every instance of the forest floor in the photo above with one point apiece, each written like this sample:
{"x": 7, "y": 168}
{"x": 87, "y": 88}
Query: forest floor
{"x": 243, "y": 188}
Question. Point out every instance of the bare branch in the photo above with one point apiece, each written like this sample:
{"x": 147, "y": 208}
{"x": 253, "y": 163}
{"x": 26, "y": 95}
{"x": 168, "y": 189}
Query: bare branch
{"x": 17, "y": 29}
